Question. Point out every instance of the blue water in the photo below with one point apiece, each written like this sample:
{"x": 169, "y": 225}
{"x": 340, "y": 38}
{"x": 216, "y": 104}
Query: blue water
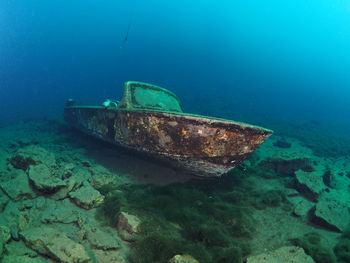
{"x": 284, "y": 65}
{"x": 245, "y": 60}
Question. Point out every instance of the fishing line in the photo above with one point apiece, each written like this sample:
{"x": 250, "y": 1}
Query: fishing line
{"x": 128, "y": 29}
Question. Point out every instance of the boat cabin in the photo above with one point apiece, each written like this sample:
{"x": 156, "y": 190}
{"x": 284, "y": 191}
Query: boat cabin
{"x": 144, "y": 96}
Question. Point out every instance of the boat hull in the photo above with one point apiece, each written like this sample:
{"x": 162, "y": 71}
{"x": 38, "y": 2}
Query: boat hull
{"x": 200, "y": 145}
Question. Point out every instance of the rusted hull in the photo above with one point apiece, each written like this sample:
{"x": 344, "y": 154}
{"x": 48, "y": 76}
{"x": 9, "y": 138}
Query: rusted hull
{"x": 200, "y": 145}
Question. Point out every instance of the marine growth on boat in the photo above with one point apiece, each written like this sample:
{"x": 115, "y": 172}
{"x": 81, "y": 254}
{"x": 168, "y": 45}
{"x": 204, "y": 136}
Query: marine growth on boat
{"x": 150, "y": 120}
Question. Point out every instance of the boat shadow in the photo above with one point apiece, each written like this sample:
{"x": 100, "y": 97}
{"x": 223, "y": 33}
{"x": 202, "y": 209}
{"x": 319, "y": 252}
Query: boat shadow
{"x": 129, "y": 164}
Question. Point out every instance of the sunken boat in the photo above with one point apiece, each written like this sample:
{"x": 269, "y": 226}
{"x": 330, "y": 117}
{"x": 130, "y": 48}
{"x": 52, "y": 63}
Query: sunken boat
{"x": 150, "y": 120}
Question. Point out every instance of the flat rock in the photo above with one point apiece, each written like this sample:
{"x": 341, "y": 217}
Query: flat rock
{"x": 22, "y": 259}
{"x": 101, "y": 176}
{"x": 64, "y": 191}
{"x": 72, "y": 183}
{"x": 102, "y": 240}
{"x": 3, "y": 201}
{"x": 32, "y": 155}
{"x": 309, "y": 184}
{"x": 288, "y": 254}
{"x": 81, "y": 175}
{"x": 303, "y": 207}
{"x": 87, "y": 197}
{"x": 60, "y": 212}
{"x": 5, "y": 235}
{"x": 183, "y": 259}
{"x": 12, "y": 218}
{"x": 287, "y": 167}
{"x": 109, "y": 256}
{"x": 332, "y": 210}
{"x": 54, "y": 244}
{"x": 18, "y": 187}
{"x": 128, "y": 226}
{"x": 3, "y": 159}
{"x": 19, "y": 249}
{"x": 43, "y": 179}
{"x": 68, "y": 170}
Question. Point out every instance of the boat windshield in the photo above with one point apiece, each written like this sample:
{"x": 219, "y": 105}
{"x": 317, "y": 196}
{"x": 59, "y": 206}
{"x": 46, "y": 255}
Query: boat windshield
{"x": 140, "y": 95}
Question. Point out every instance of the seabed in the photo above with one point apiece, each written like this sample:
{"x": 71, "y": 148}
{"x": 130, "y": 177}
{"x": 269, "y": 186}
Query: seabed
{"x": 66, "y": 197}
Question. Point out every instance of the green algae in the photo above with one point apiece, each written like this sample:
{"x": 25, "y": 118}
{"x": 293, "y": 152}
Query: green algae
{"x": 229, "y": 255}
{"x": 270, "y": 198}
{"x": 215, "y": 217}
{"x": 342, "y": 249}
{"x": 111, "y": 207}
{"x": 155, "y": 247}
{"x": 312, "y": 244}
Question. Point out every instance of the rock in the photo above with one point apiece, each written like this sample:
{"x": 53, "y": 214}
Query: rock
{"x": 128, "y": 226}
{"x": 14, "y": 219}
{"x": 302, "y": 208}
{"x": 11, "y": 217}
{"x": 54, "y": 244}
{"x": 332, "y": 211}
{"x": 18, "y": 187}
{"x": 3, "y": 201}
{"x": 68, "y": 170}
{"x": 291, "y": 192}
{"x": 309, "y": 184}
{"x": 26, "y": 204}
{"x": 288, "y": 254}
{"x": 101, "y": 176}
{"x": 282, "y": 144}
{"x": 101, "y": 240}
{"x": 5, "y": 236}
{"x": 183, "y": 259}
{"x": 40, "y": 203}
{"x": 60, "y": 212}
{"x": 329, "y": 179}
{"x": 79, "y": 177}
{"x": 22, "y": 259}
{"x": 287, "y": 167}
{"x": 43, "y": 179}
{"x": 73, "y": 182}
{"x": 3, "y": 159}
{"x": 23, "y": 221}
{"x": 19, "y": 249}
{"x": 86, "y": 163}
{"x": 87, "y": 197}
{"x": 22, "y": 142}
{"x": 109, "y": 256}
{"x": 64, "y": 191}
{"x": 32, "y": 155}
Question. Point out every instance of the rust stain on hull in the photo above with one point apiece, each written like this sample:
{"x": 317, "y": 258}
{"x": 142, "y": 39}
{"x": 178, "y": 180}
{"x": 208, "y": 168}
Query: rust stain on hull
{"x": 201, "y": 145}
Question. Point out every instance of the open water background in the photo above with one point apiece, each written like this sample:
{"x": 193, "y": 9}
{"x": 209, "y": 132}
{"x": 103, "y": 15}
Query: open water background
{"x": 248, "y": 60}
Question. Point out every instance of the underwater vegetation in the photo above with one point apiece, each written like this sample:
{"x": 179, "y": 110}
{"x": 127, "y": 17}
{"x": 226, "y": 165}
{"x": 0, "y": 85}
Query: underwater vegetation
{"x": 312, "y": 244}
{"x": 211, "y": 221}
{"x": 342, "y": 249}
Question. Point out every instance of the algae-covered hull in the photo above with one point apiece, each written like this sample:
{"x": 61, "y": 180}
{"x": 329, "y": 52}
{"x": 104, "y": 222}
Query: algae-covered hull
{"x": 203, "y": 146}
